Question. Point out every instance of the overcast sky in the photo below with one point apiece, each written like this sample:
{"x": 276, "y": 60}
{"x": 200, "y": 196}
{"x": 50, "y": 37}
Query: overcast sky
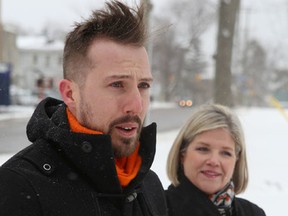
{"x": 265, "y": 20}
{"x": 34, "y": 14}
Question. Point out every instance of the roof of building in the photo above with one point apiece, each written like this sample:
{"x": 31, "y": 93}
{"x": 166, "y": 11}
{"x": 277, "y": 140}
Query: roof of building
{"x": 38, "y": 43}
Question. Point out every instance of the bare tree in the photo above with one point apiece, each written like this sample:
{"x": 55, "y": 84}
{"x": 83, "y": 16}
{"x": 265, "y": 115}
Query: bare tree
{"x": 177, "y": 54}
{"x": 228, "y": 12}
{"x": 254, "y": 80}
{"x": 167, "y": 60}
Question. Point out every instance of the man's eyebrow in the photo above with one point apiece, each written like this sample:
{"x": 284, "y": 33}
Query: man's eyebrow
{"x": 113, "y": 77}
{"x": 118, "y": 77}
{"x": 150, "y": 80}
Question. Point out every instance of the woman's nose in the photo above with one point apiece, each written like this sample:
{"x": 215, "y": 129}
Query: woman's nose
{"x": 213, "y": 159}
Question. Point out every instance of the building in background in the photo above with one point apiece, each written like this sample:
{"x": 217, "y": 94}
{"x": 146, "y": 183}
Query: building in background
{"x": 39, "y": 65}
{"x": 9, "y": 46}
{"x": 35, "y": 65}
{"x": 39, "y": 61}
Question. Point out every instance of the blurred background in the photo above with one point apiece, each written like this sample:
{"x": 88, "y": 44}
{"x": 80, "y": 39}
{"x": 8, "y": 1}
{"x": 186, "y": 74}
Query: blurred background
{"x": 233, "y": 52}
{"x": 229, "y": 51}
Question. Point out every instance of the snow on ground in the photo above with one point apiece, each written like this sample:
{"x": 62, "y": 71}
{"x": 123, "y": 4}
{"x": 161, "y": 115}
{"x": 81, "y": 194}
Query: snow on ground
{"x": 265, "y": 131}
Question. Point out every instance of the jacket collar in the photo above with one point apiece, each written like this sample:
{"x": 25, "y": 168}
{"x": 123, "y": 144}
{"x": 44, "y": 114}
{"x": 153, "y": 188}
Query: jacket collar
{"x": 90, "y": 154}
{"x": 195, "y": 199}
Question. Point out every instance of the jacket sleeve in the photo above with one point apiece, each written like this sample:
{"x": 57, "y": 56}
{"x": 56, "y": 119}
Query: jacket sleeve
{"x": 17, "y": 197}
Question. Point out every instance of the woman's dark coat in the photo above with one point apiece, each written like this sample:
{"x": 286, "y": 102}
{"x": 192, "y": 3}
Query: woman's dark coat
{"x": 65, "y": 173}
{"x": 188, "y": 200}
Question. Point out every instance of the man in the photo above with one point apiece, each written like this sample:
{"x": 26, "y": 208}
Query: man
{"x": 90, "y": 154}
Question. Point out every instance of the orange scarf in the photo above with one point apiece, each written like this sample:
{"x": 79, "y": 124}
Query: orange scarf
{"x": 126, "y": 167}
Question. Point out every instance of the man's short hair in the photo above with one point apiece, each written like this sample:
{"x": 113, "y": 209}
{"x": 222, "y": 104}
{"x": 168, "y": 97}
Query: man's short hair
{"x": 117, "y": 22}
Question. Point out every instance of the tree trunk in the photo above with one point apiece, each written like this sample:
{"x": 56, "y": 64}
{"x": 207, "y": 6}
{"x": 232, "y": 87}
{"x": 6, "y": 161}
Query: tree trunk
{"x": 228, "y": 12}
{"x": 147, "y": 16}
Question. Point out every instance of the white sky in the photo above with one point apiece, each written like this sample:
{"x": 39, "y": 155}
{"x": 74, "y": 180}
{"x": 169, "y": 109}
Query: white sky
{"x": 270, "y": 16}
{"x": 267, "y": 21}
{"x": 34, "y": 14}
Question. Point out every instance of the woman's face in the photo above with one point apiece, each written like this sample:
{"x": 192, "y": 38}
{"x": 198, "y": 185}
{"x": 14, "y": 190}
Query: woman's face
{"x": 210, "y": 159}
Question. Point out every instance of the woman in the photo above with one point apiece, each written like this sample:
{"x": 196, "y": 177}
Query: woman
{"x": 207, "y": 166}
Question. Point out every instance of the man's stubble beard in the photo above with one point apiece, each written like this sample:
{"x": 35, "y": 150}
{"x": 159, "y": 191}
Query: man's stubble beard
{"x": 122, "y": 147}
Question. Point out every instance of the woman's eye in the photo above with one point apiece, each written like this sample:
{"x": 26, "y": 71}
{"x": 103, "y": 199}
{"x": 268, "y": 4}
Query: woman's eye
{"x": 202, "y": 149}
{"x": 226, "y": 153}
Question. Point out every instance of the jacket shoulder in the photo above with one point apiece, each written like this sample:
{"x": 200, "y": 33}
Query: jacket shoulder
{"x": 154, "y": 194}
{"x": 245, "y": 207}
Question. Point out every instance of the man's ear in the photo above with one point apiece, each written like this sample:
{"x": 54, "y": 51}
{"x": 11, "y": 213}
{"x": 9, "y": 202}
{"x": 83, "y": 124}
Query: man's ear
{"x": 68, "y": 89}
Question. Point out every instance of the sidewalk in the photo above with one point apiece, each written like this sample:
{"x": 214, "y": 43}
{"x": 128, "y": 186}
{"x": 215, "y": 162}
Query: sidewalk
{"x": 13, "y": 112}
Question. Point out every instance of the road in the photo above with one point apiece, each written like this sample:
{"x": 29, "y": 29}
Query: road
{"x": 13, "y": 132}
{"x": 13, "y": 135}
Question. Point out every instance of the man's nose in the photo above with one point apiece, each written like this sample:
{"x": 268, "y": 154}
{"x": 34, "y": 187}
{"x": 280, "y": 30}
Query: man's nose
{"x": 133, "y": 102}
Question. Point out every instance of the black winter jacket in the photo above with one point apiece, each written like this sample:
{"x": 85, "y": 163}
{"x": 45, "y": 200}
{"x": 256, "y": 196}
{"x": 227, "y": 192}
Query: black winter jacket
{"x": 187, "y": 200}
{"x": 65, "y": 173}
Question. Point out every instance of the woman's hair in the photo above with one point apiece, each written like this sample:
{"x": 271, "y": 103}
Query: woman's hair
{"x": 116, "y": 22}
{"x": 208, "y": 117}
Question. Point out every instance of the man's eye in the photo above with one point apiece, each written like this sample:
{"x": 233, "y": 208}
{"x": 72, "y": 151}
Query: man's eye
{"x": 117, "y": 84}
{"x": 144, "y": 85}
